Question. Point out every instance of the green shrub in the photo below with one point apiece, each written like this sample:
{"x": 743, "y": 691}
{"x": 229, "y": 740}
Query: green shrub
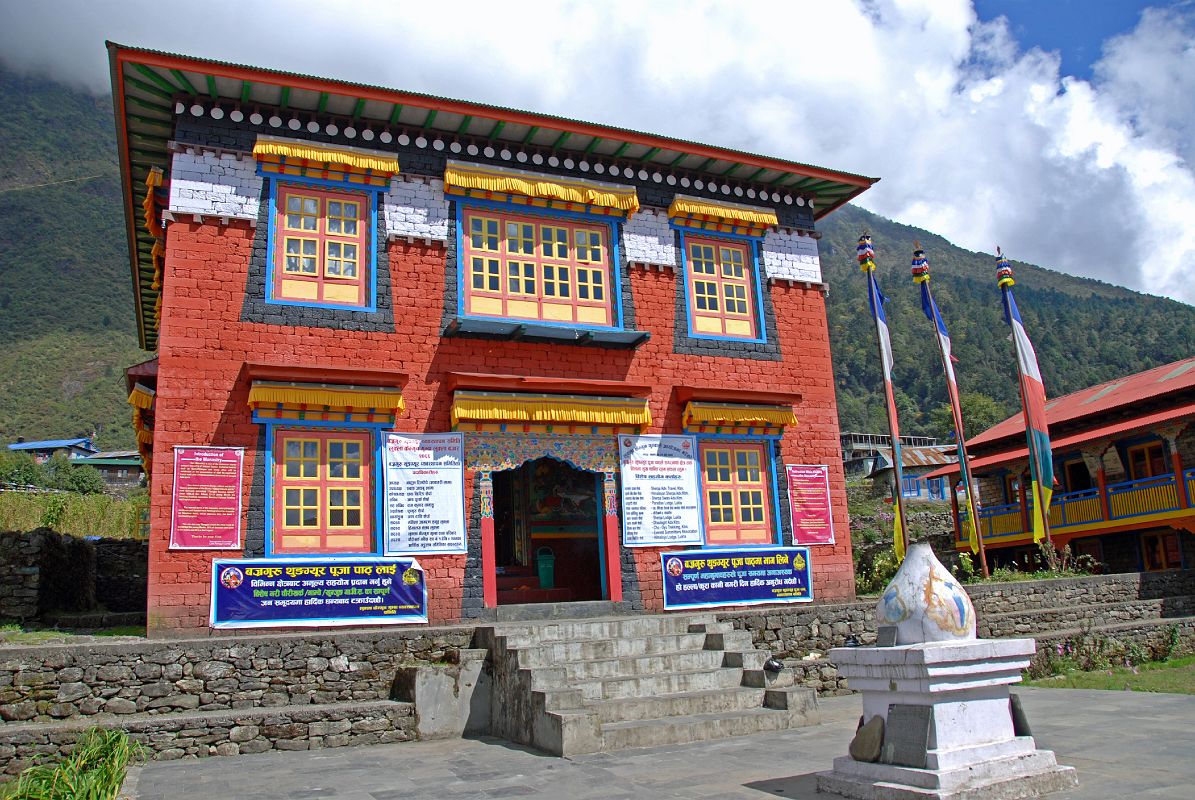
{"x": 94, "y": 770}
{"x": 75, "y": 514}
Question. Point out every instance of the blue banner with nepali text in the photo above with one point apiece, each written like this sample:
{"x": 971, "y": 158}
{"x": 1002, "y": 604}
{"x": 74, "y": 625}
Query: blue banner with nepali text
{"x": 278, "y": 593}
{"x": 751, "y": 576}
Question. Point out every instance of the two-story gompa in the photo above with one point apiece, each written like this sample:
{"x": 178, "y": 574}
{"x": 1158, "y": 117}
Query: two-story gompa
{"x": 524, "y": 356}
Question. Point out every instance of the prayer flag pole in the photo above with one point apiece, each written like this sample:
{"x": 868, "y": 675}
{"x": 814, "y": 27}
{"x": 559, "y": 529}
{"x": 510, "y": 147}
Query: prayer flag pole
{"x": 920, "y": 268}
{"x": 875, "y": 300}
{"x": 1033, "y": 404}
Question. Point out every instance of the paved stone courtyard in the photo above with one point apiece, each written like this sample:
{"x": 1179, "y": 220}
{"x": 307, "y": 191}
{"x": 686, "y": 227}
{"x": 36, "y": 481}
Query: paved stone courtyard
{"x": 1124, "y": 744}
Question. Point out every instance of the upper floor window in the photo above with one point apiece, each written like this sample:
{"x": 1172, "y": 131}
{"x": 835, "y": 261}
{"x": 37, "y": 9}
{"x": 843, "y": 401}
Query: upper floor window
{"x": 545, "y": 268}
{"x": 719, "y": 282}
{"x": 322, "y": 245}
{"x": 1147, "y": 460}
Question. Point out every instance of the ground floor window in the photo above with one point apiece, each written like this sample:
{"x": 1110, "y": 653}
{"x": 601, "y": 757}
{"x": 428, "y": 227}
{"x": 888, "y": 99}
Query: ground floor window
{"x": 1161, "y": 551}
{"x": 322, "y": 484}
{"x": 736, "y": 493}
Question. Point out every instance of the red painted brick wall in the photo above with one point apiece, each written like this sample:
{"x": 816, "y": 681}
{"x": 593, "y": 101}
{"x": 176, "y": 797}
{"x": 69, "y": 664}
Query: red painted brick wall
{"x": 202, "y": 390}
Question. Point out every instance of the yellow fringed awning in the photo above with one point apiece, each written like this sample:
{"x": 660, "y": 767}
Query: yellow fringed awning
{"x": 350, "y": 156}
{"x": 338, "y": 398}
{"x": 462, "y": 176}
{"x": 736, "y": 414}
{"x": 152, "y": 181}
{"x": 145, "y": 436}
{"x": 141, "y": 397}
{"x": 683, "y": 206}
{"x": 569, "y": 409}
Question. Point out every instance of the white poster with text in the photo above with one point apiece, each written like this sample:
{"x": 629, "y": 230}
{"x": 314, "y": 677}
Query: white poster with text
{"x": 425, "y": 493}
{"x": 661, "y": 502}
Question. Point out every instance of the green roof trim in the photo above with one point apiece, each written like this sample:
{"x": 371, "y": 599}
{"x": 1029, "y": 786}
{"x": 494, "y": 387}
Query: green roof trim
{"x": 183, "y": 82}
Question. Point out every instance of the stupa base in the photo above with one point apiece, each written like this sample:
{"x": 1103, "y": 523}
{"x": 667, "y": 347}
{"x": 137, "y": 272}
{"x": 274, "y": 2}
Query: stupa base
{"x": 1029, "y": 774}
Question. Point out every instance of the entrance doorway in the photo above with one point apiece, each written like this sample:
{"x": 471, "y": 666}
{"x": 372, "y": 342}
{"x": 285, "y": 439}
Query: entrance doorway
{"x": 547, "y": 526}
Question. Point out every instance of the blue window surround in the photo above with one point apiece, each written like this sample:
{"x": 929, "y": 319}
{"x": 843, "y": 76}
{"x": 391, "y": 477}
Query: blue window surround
{"x": 773, "y": 499}
{"x": 374, "y": 428}
{"x": 754, "y": 241}
{"x": 372, "y": 193}
{"x": 611, "y": 224}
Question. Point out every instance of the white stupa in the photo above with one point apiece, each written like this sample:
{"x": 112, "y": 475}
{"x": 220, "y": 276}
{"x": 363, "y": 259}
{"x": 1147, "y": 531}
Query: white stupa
{"x": 945, "y": 726}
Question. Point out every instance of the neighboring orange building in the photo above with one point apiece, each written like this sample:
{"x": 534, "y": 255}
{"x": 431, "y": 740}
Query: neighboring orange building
{"x": 317, "y": 263}
{"x": 1124, "y": 466}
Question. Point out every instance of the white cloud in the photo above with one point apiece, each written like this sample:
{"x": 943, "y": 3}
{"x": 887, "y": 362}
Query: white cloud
{"x": 974, "y": 138}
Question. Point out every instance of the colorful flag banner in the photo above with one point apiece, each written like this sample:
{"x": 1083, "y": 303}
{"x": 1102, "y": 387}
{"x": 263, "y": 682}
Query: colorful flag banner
{"x": 876, "y": 300}
{"x": 920, "y": 268}
{"x": 1033, "y": 401}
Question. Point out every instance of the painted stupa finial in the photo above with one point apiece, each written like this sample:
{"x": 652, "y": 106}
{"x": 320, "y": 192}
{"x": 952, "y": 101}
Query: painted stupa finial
{"x": 919, "y": 264}
{"x": 1003, "y": 270}
{"x": 866, "y": 254}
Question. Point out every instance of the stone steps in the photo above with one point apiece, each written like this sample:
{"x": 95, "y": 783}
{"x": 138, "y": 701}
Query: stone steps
{"x": 554, "y": 653}
{"x": 696, "y": 727}
{"x": 710, "y": 701}
{"x": 585, "y": 630}
{"x": 582, "y": 686}
{"x": 201, "y": 734}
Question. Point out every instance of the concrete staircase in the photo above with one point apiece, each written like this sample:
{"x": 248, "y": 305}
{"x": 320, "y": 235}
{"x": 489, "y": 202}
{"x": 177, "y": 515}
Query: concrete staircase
{"x": 593, "y": 685}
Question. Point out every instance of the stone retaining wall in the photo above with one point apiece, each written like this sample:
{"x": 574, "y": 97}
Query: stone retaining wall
{"x": 68, "y": 681}
{"x": 43, "y": 573}
{"x": 227, "y": 733}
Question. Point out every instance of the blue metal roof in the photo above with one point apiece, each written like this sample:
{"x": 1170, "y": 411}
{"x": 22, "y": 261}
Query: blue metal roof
{"x": 54, "y": 444}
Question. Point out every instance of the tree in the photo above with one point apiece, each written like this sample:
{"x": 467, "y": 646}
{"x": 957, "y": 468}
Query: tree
{"x": 980, "y": 412}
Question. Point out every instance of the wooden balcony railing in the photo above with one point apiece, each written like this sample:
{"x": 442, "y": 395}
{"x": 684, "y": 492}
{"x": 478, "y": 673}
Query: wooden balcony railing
{"x": 1142, "y": 497}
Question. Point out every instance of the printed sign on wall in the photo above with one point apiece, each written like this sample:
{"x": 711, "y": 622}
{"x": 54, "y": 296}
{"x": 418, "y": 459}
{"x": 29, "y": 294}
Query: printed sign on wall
{"x": 425, "y": 493}
{"x": 205, "y": 511}
{"x": 274, "y": 593}
{"x": 661, "y": 502}
{"x": 708, "y": 578}
{"x": 809, "y": 499}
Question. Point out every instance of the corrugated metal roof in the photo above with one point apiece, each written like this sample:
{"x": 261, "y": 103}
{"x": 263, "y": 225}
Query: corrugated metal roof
{"x": 1113, "y": 429}
{"x": 147, "y": 85}
{"x": 53, "y": 444}
{"x": 1098, "y": 400}
{"x": 912, "y": 457}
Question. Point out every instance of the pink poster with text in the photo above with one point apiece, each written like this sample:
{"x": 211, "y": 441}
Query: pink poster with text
{"x": 809, "y": 498}
{"x": 205, "y": 513}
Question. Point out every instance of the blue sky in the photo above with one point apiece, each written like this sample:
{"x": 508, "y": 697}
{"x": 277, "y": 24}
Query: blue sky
{"x": 1076, "y": 29}
{"x": 1063, "y": 130}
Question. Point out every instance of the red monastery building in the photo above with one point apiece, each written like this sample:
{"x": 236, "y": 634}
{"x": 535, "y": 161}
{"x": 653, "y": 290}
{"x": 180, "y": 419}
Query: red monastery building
{"x": 519, "y": 356}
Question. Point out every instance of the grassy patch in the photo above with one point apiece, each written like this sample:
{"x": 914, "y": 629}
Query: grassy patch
{"x": 70, "y": 513}
{"x": 94, "y": 770}
{"x": 15, "y": 634}
{"x": 1175, "y": 676}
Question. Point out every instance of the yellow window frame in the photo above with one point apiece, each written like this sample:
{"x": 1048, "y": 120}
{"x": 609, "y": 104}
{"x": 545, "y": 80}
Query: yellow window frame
{"x": 491, "y": 230}
{"x": 518, "y": 276}
{"x": 301, "y": 461}
{"x": 560, "y": 279}
{"x": 344, "y": 506}
{"x": 554, "y": 242}
{"x": 589, "y": 245}
{"x": 301, "y": 213}
{"x": 303, "y": 493}
{"x": 287, "y": 255}
{"x": 487, "y": 269}
{"x": 345, "y": 460}
{"x": 328, "y": 259}
{"x": 701, "y": 259}
{"x": 344, "y": 217}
